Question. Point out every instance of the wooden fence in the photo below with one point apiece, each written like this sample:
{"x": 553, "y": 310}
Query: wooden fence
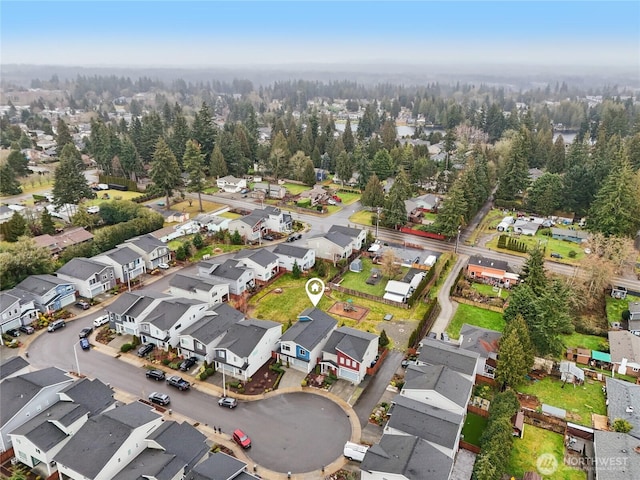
{"x": 468, "y": 446}
{"x": 545, "y": 421}
{"x": 368, "y": 296}
{"x": 478, "y": 304}
{"x": 478, "y": 411}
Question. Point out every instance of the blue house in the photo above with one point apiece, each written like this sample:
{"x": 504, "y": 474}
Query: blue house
{"x": 47, "y": 292}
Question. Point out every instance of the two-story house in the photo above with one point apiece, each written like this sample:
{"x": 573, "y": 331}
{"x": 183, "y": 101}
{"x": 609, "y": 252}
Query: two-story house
{"x": 90, "y": 277}
{"x": 490, "y": 270}
{"x": 220, "y": 466}
{"x": 348, "y": 353}
{"x": 127, "y": 263}
{"x": 434, "y": 352}
{"x": 47, "y": 292}
{"x": 211, "y": 222}
{"x": 332, "y": 246}
{"x": 24, "y": 396}
{"x": 108, "y": 442}
{"x": 246, "y": 347}
{"x": 263, "y": 263}
{"x": 153, "y": 251}
{"x": 199, "y": 288}
{"x": 240, "y": 279}
{"x": 301, "y": 345}
{"x": 288, "y": 255}
{"x": 231, "y": 184}
{"x": 167, "y": 318}
{"x": 26, "y": 309}
{"x": 200, "y": 339}
{"x": 357, "y": 235}
{"x": 275, "y": 220}
{"x": 129, "y": 309}
{"x": 251, "y": 227}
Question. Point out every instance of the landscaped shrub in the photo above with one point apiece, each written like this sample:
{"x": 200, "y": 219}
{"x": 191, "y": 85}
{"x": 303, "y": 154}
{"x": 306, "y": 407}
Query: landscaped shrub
{"x": 126, "y": 347}
{"x": 166, "y": 361}
{"x": 573, "y": 254}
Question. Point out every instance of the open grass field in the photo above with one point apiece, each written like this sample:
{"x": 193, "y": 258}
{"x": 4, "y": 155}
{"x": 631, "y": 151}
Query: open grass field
{"x": 473, "y": 427}
{"x": 348, "y": 198}
{"x": 357, "y": 281}
{"x": 113, "y": 195}
{"x": 211, "y": 190}
{"x": 579, "y": 401}
{"x": 615, "y": 307}
{"x": 551, "y": 245}
{"x": 362, "y": 217}
{"x": 194, "y": 209}
{"x": 230, "y": 215}
{"x": 474, "y": 316}
{"x": 295, "y": 189}
{"x": 580, "y": 340}
{"x": 535, "y": 442}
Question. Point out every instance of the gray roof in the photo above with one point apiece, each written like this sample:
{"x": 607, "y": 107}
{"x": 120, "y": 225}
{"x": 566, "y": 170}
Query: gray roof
{"x": 489, "y": 262}
{"x": 147, "y": 243}
{"x": 214, "y": 324}
{"x": 624, "y": 402}
{"x": 89, "y": 450}
{"x": 94, "y": 395}
{"x": 182, "y": 440}
{"x": 564, "y": 232}
{"x": 42, "y": 430}
{"x": 122, "y": 255}
{"x": 168, "y": 311}
{"x": 434, "y": 352}
{"x": 40, "y": 284}
{"x": 482, "y": 341}
{"x": 218, "y": 466}
{"x": 407, "y": 455}
{"x": 624, "y": 344}
{"x": 434, "y": 424}
{"x": 134, "y": 303}
{"x": 6, "y": 300}
{"x": 312, "y": 326}
{"x": 11, "y": 365}
{"x": 192, "y": 283}
{"x": 242, "y": 337}
{"x": 251, "y": 220}
{"x": 619, "y": 448}
{"x": 261, "y": 256}
{"x": 152, "y": 463}
{"x": 350, "y": 341}
{"x": 16, "y": 392}
{"x": 337, "y": 238}
{"x": 82, "y": 268}
{"x": 634, "y": 307}
{"x": 290, "y": 250}
{"x": 348, "y": 231}
{"x": 228, "y": 270}
{"x": 447, "y": 382}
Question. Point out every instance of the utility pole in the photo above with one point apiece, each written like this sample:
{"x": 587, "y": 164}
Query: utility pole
{"x": 457, "y": 239}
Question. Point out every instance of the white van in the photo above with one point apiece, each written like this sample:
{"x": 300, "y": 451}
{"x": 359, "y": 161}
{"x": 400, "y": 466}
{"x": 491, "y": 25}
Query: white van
{"x": 354, "y": 451}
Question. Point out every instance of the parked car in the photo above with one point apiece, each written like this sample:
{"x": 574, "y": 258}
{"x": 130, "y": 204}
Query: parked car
{"x": 157, "y": 375}
{"x": 331, "y": 201}
{"x": 57, "y": 325}
{"x": 268, "y": 237}
{"x": 85, "y": 332}
{"x": 83, "y": 305}
{"x": 241, "y": 438}
{"x": 145, "y": 349}
{"x": 98, "y": 322}
{"x": 178, "y": 382}
{"x": 164, "y": 266}
{"x": 228, "y": 402}
{"x": 244, "y": 190}
{"x": 13, "y": 332}
{"x": 355, "y": 451}
{"x": 336, "y": 198}
{"x": 93, "y": 209}
{"x": 28, "y": 329}
{"x": 159, "y": 398}
{"x": 188, "y": 363}
{"x": 84, "y": 343}
{"x": 555, "y": 255}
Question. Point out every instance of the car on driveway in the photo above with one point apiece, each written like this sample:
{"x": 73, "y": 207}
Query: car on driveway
{"x": 28, "y": 329}
{"x": 241, "y": 438}
{"x": 145, "y": 349}
{"x": 178, "y": 382}
{"x": 163, "y": 266}
{"x": 268, "y": 237}
{"x": 85, "y": 332}
{"x": 159, "y": 398}
{"x": 188, "y": 363}
{"x": 83, "y": 305}
{"x": 84, "y": 343}
{"x": 13, "y": 332}
{"x": 98, "y": 322}
{"x": 157, "y": 375}
{"x": 228, "y": 402}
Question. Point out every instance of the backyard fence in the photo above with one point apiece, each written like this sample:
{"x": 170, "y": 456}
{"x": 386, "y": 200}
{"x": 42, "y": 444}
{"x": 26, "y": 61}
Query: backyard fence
{"x": 482, "y": 412}
{"x": 478, "y": 304}
{"x": 468, "y": 446}
{"x": 542, "y": 420}
{"x": 368, "y": 296}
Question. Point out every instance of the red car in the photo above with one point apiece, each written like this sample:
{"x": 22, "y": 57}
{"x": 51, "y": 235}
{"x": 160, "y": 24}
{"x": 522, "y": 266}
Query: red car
{"x": 241, "y": 438}
{"x": 337, "y": 198}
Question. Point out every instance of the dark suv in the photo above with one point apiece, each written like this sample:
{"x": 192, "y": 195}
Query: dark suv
{"x": 155, "y": 374}
{"x": 83, "y": 305}
{"x": 188, "y": 363}
{"x": 145, "y": 349}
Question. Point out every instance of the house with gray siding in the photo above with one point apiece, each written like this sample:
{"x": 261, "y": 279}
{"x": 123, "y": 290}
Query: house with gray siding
{"x": 239, "y": 278}
{"x": 47, "y": 292}
{"x": 153, "y": 250}
{"x": 199, "y": 288}
{"x": 90, "y": 277}
{"x": 128, "y": 264}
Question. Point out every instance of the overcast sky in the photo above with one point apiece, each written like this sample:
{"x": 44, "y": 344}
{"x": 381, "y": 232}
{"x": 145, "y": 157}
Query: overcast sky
{"x": 208, "y": 33}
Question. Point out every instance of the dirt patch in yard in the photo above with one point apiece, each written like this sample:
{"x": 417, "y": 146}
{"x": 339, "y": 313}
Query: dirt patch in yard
{"x": 351, "y": 311}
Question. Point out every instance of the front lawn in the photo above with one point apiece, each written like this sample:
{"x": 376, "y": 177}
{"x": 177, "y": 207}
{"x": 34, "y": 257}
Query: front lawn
{"x": 474, "y": 316}
{"x": 357, "y": 281}
{"x": 113, "y": 195}
{"x": 615, "y": 307}
{"x": 209, "y": 250}
{"x": 579, "y": 401}
{"x": 194, "y": 208}
{"x": 348, "y": 198}
{"x": 295, "y": 189}
{"x": 473, "y": 427}
{"x": 362, "y": 217}
{"x": 230, "y": 215}
{"x": 550, "y": 245}
{"x": 579, "y": 340}
{"x": 536, "y": 442}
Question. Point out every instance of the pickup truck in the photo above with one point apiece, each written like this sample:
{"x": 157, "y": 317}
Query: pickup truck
{"x": 178, "y": 382}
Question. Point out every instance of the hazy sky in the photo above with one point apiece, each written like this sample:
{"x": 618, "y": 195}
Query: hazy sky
{"x": 209, "y": 33}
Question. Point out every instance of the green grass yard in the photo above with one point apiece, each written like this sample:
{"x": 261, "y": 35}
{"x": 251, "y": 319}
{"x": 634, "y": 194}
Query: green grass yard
{"x": 348, "y": 198}
{"x": 473, "y": 427}
{"x": 535, "y": 442}
{"x": 474, "y": 316}
{"x": 488, "y": 290}
{"x": 579, "y": 401}
{"x": 579, "y": 340}
{"x": 230, "y": 215}
{"x": 295, "y": 189}
{"x": 551, "y": 245}
{"x": 357, "y": 281}
{"x": 615, "y": 307}
{"x": 362, "y": 217}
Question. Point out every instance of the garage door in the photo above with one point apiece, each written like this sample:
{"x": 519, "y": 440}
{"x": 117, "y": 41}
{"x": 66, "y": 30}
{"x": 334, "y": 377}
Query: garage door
{"x": 348, "y": 374}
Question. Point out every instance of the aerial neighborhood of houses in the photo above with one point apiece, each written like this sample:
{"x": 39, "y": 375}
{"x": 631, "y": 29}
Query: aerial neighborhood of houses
{"x": 450, "y": 298}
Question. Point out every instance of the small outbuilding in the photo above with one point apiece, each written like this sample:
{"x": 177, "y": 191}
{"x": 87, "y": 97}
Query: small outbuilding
{"x": 356, "y": 266}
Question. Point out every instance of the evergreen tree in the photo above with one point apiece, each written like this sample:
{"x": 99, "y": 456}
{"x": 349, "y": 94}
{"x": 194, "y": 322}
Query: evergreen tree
{"x": 203, "y": 130}
{"x": 373, "y": 194}
{"x": 194, "y": 165}
{"x": 533, "y": 273}
{"x": 15, "y": 228}
{"x": 18, "y": 163}
{"x": 394, "y": 212}
{"x": 515, "y": 175}
{"x": 165, "y": 171}
{"x": 451, "y": 215}
{"x": 70, "y": 185}
{"x": 46, "y": 223}
{"x": 8, "y": 183}
{"x": 344, "y": 167}
{"x": 63, "y": 136}
{"x": 546, "y": 194}
{"x": 382, "y": 164}
{"x": 348, "y": 140}
{"x": 556, "y": 163}
{"x": 218, "y": 166}
{"x": 309, "y": 173}
{"x": 515, "y": 358}
{"x": 401, "y": 186}
{"x": 180, "y": 133}
{"x": 296, "y": 271}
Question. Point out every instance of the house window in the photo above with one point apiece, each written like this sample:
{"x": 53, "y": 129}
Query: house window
{"x": 285, "y": 348}
{"x": 635, "y": 369}
{"x": 341, "y": 361}
{"x": 38, "y": 450}
{"x": 303, "y": 351}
